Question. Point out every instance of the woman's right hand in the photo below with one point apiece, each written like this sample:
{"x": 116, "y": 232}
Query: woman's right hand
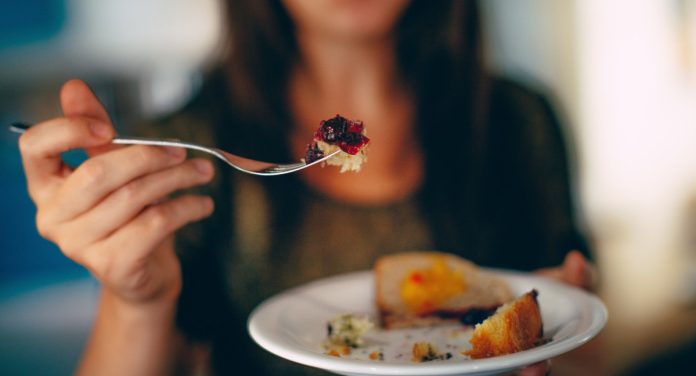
{"x": 112, "y": 214}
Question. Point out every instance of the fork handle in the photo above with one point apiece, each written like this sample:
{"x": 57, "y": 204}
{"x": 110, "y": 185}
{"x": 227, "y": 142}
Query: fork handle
{"x": 20, "y": 127}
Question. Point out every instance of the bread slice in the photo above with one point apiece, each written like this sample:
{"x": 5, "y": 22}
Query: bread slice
{"x": 515, "y": 326}
{"x": 426, "y": 288}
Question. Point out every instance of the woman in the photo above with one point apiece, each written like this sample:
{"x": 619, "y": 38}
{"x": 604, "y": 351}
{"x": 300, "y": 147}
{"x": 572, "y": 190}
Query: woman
{"x": 458, "y": 162}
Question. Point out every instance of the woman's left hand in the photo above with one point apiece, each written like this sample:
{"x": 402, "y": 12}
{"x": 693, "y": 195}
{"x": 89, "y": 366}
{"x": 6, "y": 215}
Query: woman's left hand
{"x": 575, "y": 271}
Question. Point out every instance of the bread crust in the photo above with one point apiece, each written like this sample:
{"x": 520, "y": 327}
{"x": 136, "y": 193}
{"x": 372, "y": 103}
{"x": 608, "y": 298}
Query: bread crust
{"x": 515, "y": 327}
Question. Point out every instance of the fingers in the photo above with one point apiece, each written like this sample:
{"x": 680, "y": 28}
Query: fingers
{"x": 537, "y": 369}
{"x": 78, "y": 100}
{"x": 125, "y": 203}
{"x": 42, "y": 145}
{"x": 575, "y": 271}
{"x": 99, "y": 176}
{"x": 150, "y": 228}
{"x": 579, "y": 271}
{"x": 86, "y": 125}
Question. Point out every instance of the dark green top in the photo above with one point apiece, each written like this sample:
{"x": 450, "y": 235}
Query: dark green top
{"x": 269, "y": 234}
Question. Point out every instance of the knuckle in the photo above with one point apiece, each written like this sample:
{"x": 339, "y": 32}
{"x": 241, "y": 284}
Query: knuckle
{"x": 101, "y": 264}
{"x": 144, "y": 155}
{"x": 25, "y": 143}
{"x": 131, "y": 189}
{"x": 37, "y": 194}
{"x": 78, "y": 128}
{"x": 160, "y": 218}
{"x": 70, "y": 251}
{"x": 69, "y": 245}
{"x": 43, "y": 225}
{"x": 92, "y": 171}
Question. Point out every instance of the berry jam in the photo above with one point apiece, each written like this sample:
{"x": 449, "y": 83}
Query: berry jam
{"x": 476, "y": 316}
{"x": 313, "y": 153}
{"x": 469, "y": 317}
{"x": 344, "y": 133}
{"x": 331, "y": 130}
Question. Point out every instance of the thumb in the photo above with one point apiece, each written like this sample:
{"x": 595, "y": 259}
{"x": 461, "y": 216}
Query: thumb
{"x": 78, "y": 100}
{"x": 577, "y": 271}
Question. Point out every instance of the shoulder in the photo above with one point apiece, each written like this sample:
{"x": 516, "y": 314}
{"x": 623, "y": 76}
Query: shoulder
{"x": 513, "y": 100}
{"x": 524, "y": 117}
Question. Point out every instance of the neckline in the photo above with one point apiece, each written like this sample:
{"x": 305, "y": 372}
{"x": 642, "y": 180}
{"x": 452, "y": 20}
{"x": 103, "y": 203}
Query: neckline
{"x": 315, "y": 194}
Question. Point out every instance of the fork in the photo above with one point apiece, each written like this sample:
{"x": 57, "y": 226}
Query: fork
{"x": 242, "y": 164}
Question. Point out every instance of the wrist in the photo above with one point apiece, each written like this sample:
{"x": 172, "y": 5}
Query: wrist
{"x": 131, "y": 338}
{"x": 160, "y": 311}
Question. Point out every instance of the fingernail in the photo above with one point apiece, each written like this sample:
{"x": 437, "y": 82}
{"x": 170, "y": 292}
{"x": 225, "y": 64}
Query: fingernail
{"x": 100, "y": 130}
{"x": 175, "y": 151}
{"x": 203, "y": 167}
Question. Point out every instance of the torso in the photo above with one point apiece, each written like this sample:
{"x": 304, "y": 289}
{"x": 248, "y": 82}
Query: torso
{"x": 365, "y": 215}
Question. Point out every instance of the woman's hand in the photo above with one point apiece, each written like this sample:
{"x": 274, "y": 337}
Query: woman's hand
{"x": 112, "y": 214}
{"x": 575, "y": 271}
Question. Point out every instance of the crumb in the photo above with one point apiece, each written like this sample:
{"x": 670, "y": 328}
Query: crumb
{"x": 376, "y": 355}
{"x": 347, "y": 330}
{"x": 426, "y": 351}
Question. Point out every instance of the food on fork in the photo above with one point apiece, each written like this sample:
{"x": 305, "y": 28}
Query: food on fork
{"x": 417, "y": 289}
{"x": 339, "y": 133}
{"x": 514, "y": 327}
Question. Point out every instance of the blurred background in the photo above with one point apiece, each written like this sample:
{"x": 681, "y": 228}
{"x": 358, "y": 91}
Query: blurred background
{"x": 622, "y": 74}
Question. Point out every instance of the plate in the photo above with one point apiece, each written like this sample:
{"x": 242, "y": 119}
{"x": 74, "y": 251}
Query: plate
{"x": 292, "y": 325}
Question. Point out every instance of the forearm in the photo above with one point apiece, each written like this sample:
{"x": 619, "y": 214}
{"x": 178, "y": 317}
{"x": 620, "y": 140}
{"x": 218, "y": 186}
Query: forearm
{"x": 130, "y": 340}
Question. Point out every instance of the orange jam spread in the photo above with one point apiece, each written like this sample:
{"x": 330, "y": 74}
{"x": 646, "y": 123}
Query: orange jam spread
{"x": 424, "y": 290}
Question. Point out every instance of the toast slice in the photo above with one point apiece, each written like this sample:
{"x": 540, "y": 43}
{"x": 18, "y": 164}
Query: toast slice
{"x": 416, "y": 289}
{"x": 515, "y": 326}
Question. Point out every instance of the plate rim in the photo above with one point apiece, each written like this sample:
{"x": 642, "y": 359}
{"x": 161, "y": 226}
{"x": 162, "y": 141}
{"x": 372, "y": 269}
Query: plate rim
{"x": 597, "y": 321}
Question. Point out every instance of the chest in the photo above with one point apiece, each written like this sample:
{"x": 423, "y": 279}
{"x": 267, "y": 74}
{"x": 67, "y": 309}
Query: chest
{"x": 329, "y": 238}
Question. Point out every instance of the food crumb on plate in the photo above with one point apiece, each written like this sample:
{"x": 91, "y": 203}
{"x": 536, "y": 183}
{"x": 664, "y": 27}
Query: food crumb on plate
{"x": 426, "y": 351}
{"x": 347, "y": 330}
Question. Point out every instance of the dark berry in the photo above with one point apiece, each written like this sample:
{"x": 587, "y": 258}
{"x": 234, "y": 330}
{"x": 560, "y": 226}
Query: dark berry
{"x": 353, "y": 138}
{"x": 313, "y": 153}
{"x": 351, "y": 143}
{"x": 333, "y": 129}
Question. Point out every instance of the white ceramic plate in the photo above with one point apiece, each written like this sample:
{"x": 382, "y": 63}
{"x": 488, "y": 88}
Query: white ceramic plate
{"x": 292, "y": 325}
